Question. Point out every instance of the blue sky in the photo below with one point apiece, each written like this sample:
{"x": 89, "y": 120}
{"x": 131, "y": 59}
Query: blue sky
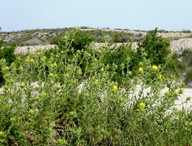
{"x": 132, "y": 14}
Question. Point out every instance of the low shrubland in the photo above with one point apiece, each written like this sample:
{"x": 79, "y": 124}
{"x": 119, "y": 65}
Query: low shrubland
{"x": 78, "y": 95}
{"x": 52, "y": 36}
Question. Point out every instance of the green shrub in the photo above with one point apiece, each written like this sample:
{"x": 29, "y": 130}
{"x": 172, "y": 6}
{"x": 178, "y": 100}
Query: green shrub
{"x": 181, "y": 63}
{"x": 186, "y": 56}
{"x": 2, "y": 80}
{"x": 186, "y": 31}
{"x": 188, "y": 77}
{"x": 76, "y": 41}
{"x": 73, "y": 45}
{"x": 175, "y": 66}
{"x": 119, "y": 60}
{"x": 154, "y": 50}
{"x": 55, "y": 40}
{"x": 56, "y": 108}
{"x": 6, "y": 53}
{"x": 120, "y": 37}
{"x": 155, "y": 47}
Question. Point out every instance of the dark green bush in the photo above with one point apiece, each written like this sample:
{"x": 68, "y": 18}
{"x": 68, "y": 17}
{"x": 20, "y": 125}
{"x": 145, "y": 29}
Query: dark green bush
{"x": 55, "y": 40}
{"x": 186, "y": 56}
{"x": 186, "y": 31}
{"x": 6, "y": 53}
{"x": 175, "y": 66}
{"x": 77, "y": 41}
{"x": 155, "y": 47}
{"x": 154, "y": 50}
{"x": 188, "y": 77}
{"x": 120, "y": 60}
{"x": 120, "y": 37}
{"x": 2, "y": 80}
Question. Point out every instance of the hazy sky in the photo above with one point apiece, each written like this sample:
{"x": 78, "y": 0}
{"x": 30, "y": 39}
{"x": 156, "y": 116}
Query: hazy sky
{"x": 132, "y": 14}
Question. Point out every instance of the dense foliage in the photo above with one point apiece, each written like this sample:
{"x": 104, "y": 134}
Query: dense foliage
{"x": 104, "y": 37}
{"x": 75, "y": 94}
{"x": 155, "y": 47}
{"x": 6, "y": 53}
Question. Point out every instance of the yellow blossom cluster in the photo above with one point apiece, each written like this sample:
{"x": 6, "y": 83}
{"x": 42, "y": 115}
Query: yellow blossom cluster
{"x": 142, "y": 105}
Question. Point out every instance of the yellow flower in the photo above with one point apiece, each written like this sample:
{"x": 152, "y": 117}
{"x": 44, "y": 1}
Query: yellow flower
{"x": 115, "y": 88}
{"x": 167, "y": 92}
{"x": 32, "y": 60}
{"x": 160, "y": 76}
{"x": 145, "y": 54}
{"x": 182, "y": 89}
{"x": 79, "y": 72}
{"x": 176, "y": 92}
{"x": 6, "y": 87}
{"x": 96, "y": 81}
{"x": 27, "y": 60}
{"x": 31, "y": 111}
{"x": 129, "y": 73}
{"x": 102, "y": 69}
{"x": 22, "y": 85}
{"x": 43, "y": 58}
{"x": 62, "y": 141}
{"x": 1, "y": 133}
{"x": 58, "y": 85}
{"x": 142, "y": 105}
{"x": 154, "y": 68}
{"x": 59, "y": 140}
{"x": 121, "y": 99}
{"x": 140, "y": 69}
{"x": 5, "y": 68}
{"x": 186, "y": 123}
{"x": 54, "y": 64}
{"x": 51, "y": 75}
{"x": 36, "y": 97}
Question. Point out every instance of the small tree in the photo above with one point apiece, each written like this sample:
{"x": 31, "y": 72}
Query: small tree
{"x": 76, "y": 40}
{"x": 155, "y": 47}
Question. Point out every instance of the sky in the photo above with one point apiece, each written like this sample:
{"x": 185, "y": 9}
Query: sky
{"x": 16, "y": 15}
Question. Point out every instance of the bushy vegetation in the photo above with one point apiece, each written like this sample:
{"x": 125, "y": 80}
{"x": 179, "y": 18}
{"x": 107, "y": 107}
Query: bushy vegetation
{"x": 78, "y": 95}
{"x": 180, "y": 65}
{"x": 52, "y": 36}
{"x": 155, "y": 47}
{"x": 6, "y": 53}
{"x": 186, "y": 58}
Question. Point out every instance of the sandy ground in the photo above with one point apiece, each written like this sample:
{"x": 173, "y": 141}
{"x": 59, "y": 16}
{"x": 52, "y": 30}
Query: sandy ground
{"x": 32, "y": 49}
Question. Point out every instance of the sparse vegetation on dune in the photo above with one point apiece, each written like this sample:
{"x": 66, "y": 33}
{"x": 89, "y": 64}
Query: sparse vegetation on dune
{"x": 76, "y": 94}
{"x": 47, "y": 36}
